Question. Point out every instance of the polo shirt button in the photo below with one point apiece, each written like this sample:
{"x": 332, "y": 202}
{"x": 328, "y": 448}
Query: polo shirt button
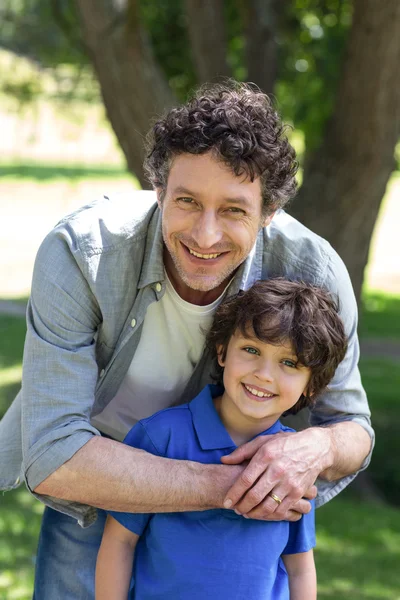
{"x": 158, "y": 287}
{"x": 17, "y": 481}
{"x": 102, "y": 372}
{"x": 133, "y": 323}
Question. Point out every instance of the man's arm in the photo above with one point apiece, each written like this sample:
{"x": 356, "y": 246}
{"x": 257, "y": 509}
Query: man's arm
{"x": 113, "y": 476}
{"x": 115, "y": 561}
{"x": 302, "y": 575}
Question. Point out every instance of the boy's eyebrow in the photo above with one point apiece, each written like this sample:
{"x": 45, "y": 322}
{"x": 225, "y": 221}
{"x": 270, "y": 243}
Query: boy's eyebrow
{"x": 240, "y": 200}
{"x": 254, "y": 338}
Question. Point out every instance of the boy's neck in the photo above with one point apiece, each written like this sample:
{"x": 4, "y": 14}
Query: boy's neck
{"x": 240, "y": 428}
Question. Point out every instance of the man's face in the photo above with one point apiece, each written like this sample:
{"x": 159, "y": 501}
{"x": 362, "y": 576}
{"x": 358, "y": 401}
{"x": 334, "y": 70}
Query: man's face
{"x": 210, "y": 221}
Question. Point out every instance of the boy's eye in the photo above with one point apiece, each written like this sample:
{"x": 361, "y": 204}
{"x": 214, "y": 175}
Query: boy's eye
{"x": 289, "y": 363}
{"x": 251, "y": 350}
{"x": 185, "y": 200}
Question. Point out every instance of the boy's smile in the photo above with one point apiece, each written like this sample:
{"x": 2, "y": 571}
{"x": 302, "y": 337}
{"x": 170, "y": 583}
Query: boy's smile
{"x": 261, "y": 382}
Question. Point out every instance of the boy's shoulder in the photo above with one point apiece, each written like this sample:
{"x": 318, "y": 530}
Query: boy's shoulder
{"x": 162, "y": 429}
{"x": 168, "y": 418}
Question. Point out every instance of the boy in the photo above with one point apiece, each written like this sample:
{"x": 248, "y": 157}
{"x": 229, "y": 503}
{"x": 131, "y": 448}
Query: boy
{"x": 277, "y": 346}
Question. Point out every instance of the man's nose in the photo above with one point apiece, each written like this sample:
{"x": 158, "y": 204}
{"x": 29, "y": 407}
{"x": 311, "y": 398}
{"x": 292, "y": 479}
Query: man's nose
{"x": 206, "y": 230}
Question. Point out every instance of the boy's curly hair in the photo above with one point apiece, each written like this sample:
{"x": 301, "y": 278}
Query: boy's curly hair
{"x": 279, "y": 311}
{"x": 238, "y": 123}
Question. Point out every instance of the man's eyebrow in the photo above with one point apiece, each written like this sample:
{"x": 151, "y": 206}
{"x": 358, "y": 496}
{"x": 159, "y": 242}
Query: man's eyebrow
{"x": 240, "y": 200}
{"x": 182, "y": 190}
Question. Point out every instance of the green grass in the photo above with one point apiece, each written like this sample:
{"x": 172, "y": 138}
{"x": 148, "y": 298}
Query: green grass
{"x": 380, "y": 316}
{"x": 358, "y": 551}
{"x": 381, "y": 379}
{"x": 12, "y": 333}
{"x": 20, "y": 517}
{"x": 358, "y": 544}
{"x": 43, "y": 173}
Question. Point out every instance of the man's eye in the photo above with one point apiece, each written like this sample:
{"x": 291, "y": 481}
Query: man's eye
{"x": 235, "y": 210}
{"x": 250, "y": 350}
{"x": 289, "y": 363}
{"x": 185, "y": 200}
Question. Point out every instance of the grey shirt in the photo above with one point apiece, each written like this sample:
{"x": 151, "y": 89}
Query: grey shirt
{"x": 94, "y": 277}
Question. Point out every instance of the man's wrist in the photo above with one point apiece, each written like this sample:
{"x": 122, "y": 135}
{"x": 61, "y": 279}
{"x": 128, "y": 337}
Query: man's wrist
{"x": 216, "y": 481}
{"x": 326, "y": 446}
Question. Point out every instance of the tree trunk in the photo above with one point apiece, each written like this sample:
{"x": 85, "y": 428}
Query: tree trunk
{"x": 261, "y": 27}
{"x": 345, "y": 180}
{"x": 206, "y": 27}
{"x": 133, "y": 88}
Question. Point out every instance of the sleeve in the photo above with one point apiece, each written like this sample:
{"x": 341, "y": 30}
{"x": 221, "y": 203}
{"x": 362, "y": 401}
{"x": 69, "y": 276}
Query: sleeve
{"x": 137, "y": 437}
{"x": 59, "y": 369}
{"x": 345, "y": 398}
{"x": 302, "y": 534}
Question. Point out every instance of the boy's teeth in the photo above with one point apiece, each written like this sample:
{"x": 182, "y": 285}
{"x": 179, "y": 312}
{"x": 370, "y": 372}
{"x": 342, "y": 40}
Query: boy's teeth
{"x": 205, "y": 256}
{"x": 258, "y": 393}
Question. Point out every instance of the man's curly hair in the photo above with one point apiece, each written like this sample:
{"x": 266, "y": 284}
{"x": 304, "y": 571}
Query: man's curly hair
{"x": 238, "y": 123}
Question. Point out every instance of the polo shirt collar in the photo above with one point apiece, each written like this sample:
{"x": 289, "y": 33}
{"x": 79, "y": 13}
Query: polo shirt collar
{"x": 210, "y": 431}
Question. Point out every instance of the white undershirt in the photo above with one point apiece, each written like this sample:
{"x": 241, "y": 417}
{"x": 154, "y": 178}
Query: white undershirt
{"x": 171, "y": 344}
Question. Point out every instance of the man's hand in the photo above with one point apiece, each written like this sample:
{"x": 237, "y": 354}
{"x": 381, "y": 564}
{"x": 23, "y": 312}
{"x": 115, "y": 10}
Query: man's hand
{"x": 286, "y": 465}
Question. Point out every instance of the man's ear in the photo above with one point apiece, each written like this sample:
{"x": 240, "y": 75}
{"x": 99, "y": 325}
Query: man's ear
{"x": 220, "y": 354}
{"x": 160, "y": 196}
{"x": 267, "y": 220}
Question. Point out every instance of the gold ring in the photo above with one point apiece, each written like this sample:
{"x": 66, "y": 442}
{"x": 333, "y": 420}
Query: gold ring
{"x": 276, "y": 498}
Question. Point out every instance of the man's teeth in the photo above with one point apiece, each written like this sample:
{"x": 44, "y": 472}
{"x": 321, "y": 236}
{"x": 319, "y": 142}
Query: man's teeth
{"x": 205, "y": 256}
{"x": 258, "y": 393}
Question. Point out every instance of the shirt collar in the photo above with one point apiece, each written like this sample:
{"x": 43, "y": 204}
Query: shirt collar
{"x": 250, "y": 270}
{"x": 210, "y": 431}
{"x": 153, "y": 265}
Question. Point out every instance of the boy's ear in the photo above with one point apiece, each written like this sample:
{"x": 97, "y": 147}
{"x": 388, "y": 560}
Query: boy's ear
{"x": 308, "y": 391}
{"x": 220, "y": 354}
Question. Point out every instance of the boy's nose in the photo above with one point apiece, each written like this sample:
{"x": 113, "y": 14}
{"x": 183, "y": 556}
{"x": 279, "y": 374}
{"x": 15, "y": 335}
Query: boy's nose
{"x": 264, "y": 372}
{"x": 206, "y": 230}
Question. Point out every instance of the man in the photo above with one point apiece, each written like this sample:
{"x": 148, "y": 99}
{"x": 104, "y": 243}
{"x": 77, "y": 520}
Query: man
{"x": 122, "y": 294}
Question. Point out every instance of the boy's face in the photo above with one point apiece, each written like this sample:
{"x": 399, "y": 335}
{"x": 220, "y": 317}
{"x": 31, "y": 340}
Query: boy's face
{"x": 261, "y": 381}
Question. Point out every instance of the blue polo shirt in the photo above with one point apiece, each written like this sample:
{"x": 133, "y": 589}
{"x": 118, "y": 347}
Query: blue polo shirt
{"x": 212, "y": 554}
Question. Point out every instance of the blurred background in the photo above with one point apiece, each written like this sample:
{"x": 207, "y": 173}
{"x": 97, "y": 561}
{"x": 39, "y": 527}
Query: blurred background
{"x": 80, "y": 82}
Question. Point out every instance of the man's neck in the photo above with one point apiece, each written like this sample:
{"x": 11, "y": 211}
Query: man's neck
{"x": 197, "y": 297}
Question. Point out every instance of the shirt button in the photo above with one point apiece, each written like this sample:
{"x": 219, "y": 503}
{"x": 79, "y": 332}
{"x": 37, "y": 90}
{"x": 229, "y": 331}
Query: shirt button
{"x": 133, "y": 323}
{"x": 17, "y": 481}
{"x": 102, "y": 372}
{"x": 158, "y": 287}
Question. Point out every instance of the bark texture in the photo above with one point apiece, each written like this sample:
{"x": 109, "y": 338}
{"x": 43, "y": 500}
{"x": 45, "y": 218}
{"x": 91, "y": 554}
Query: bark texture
{"x": 133, "y": 88}
{"x": 261, "y": 27}
{"x": 345, "y": 180}
{"x": 206, "y": 28}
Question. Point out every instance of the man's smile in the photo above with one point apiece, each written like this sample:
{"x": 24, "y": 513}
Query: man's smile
{"x": 197, "y": 257}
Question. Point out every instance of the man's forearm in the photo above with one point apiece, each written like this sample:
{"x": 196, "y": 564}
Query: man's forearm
{"x": 345, "y": 446}
{"x": 112, "y": 476}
